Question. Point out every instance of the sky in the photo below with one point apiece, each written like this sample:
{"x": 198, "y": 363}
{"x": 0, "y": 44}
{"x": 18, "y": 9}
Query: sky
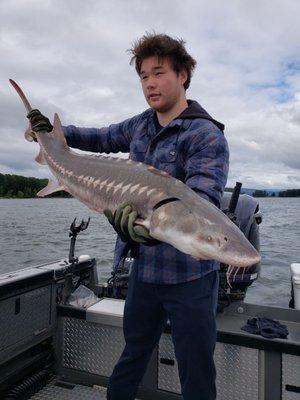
{"x": 70, "y": 57}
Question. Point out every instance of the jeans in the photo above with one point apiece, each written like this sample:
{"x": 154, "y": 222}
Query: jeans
{"x": 191, "y": 308}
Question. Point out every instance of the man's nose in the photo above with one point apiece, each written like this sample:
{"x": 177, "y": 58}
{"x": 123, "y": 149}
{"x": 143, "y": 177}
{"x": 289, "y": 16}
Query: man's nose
{"x": 151, "y": 83}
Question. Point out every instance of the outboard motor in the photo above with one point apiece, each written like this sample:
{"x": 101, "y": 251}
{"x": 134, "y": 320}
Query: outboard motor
{"x": 244, "y": 211}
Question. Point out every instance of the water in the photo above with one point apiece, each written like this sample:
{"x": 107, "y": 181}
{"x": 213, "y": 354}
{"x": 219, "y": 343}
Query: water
{"x": 35, "y": 231}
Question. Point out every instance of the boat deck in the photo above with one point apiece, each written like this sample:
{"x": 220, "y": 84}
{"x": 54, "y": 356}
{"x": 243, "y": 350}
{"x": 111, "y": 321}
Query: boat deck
{"x": 57, "y": 390}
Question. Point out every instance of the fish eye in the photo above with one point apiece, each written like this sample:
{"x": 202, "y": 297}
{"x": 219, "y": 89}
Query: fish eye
{"x": 209, "y": 238}
{"x": 226, "y": 238}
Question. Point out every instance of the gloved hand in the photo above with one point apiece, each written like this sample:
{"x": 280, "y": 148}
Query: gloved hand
{"x": 39, "y": 122}
{"x": 122, "y": 221}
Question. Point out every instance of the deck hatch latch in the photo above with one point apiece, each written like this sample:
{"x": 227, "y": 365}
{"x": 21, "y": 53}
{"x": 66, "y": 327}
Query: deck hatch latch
{"x": 167, "y": 361}
{"x": 17, "y": 306}
{"x": 292, "y": 388}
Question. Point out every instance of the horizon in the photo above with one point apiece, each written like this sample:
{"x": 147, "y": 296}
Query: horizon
{"x": 226, "y": 187}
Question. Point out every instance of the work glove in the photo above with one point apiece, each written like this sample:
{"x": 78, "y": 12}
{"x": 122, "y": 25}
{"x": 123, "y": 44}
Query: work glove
{"x": 122, "y": 220}
{"x": 38, "y": 122}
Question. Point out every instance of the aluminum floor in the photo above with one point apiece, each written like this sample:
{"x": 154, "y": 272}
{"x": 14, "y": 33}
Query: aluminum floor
{"x": 60, "y": 390}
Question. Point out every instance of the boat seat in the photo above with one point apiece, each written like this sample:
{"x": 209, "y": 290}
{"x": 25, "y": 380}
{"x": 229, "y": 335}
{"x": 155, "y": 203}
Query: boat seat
{"x": 106, "y": 311}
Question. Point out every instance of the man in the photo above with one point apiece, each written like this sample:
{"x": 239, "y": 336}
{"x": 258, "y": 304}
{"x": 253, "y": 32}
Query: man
{"x": 178, "y": 136}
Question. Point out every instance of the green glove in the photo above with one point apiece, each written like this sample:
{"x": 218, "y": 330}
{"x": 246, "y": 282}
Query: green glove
{"x": 39, "y": 122}
{"x": 122, "y": 221}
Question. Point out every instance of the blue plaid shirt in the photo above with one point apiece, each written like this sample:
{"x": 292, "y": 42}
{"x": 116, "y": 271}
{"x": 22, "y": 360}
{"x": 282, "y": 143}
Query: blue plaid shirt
{"x": 191, "y": 148}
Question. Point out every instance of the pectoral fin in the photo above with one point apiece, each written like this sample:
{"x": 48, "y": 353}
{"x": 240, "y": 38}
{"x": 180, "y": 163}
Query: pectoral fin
{"x": 158, "y": 172}
{"x": 40, "y": 158}
{"x": 52, "y": 187}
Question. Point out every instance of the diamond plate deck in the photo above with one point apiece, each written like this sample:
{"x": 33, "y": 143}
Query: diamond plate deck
{"x": 237, "y": 372}
{"x": 91, "y": 347}
{"x": 237, "y": 367}
{"x": 55, "y": 391}
{"x": 290, "y": 376}
{"x": 168, "y": 378}
{"x": 59, "y": 390}
{"x": 33, "y": 315}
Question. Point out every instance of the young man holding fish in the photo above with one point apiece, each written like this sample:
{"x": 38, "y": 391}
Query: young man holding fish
{"x": 179, "y": 137}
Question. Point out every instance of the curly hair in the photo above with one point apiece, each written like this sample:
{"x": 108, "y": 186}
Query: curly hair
{"x": 163, "y": 46}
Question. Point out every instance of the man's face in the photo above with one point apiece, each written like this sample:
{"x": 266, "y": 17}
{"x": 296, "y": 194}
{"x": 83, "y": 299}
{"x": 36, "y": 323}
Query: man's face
{"x": 162, "y": 86}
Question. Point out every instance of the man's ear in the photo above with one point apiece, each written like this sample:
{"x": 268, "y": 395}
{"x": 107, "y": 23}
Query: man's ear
{"x": 183, "y": 76}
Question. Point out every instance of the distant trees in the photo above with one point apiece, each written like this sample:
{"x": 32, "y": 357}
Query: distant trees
{"x": 283, "y": 193}
{"x": 290, "y": 193}
{"x": 260, "y": 193}
{"x": 16, "y": 186}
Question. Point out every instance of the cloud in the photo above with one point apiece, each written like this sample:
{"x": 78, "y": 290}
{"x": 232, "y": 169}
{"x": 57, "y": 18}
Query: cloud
{"x": 70, "y": 57}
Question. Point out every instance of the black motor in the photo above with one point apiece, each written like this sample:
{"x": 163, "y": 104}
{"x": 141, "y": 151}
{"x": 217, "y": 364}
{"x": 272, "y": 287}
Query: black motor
{"x": 244, "y": 211}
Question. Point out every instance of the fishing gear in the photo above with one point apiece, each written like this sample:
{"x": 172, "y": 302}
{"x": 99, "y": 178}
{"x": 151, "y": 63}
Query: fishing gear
{"x": 74, "y": 231}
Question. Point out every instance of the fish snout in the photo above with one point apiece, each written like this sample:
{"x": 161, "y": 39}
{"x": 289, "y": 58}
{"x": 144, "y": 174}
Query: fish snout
{"x": 240, "y": 253}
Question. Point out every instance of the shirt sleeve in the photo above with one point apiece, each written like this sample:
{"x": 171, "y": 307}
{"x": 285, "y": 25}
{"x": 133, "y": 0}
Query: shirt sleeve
{"x": 206, "y": 166}
{"x": 112, "y": 139}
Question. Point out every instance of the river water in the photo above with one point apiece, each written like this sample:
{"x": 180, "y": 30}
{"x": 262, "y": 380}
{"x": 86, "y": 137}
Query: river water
{"x": 35, "y": 231}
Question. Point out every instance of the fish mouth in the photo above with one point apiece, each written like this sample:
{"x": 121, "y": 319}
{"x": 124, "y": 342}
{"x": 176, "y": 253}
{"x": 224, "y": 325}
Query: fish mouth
{"x": 243, "y": 258}
{"x": 241, "y": 262}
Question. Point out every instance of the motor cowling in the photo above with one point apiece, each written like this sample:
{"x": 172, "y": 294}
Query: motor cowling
{"x": 234, "y": 281}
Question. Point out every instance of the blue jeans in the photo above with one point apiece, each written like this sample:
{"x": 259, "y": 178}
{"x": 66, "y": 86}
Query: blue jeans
{"x": 191, "y": 308}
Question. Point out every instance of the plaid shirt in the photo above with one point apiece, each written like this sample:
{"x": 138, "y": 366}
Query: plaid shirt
{"x": 191, "y": 148}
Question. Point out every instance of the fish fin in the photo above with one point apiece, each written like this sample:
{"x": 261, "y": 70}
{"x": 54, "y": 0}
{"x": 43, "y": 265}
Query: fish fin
{"x": 40, "y": 158}
{"x": 57, "y": 131}
{"x": 52, "y": 187}
{"x": 158, "y": 172}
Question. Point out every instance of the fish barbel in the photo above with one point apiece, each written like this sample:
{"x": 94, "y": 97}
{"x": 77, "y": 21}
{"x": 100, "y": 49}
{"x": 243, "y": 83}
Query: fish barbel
{"x": 171, "y": 211}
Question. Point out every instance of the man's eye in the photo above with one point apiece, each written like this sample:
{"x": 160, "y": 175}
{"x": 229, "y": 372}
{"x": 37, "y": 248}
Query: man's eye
{"x": 143, "y": 77}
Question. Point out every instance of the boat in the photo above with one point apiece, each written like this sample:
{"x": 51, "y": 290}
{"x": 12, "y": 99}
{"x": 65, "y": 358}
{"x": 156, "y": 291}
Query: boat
{"x": 57, "y": 344}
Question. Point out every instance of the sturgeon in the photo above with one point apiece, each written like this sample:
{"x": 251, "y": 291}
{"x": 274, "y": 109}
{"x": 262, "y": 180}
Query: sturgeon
{"x": 168, "y": 208}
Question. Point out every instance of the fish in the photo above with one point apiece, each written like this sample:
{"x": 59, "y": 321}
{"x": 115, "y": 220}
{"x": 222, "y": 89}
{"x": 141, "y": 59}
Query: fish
{"x": 171, "y": 211}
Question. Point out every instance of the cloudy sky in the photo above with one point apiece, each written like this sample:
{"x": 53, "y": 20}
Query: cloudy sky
{"x": 70, "y": 57}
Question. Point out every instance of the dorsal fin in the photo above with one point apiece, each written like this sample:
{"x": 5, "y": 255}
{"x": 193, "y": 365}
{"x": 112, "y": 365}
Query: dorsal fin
{"x": 57, "y": 131}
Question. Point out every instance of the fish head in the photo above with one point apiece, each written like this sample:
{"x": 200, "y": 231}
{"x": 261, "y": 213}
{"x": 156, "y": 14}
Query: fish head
{"x": 205, "y": 233}
{"x": 232, "y": 247}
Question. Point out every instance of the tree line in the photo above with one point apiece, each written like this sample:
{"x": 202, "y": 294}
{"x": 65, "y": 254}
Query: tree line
{"x": 283, "y": 193}
{"x": 16, "y": 186}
